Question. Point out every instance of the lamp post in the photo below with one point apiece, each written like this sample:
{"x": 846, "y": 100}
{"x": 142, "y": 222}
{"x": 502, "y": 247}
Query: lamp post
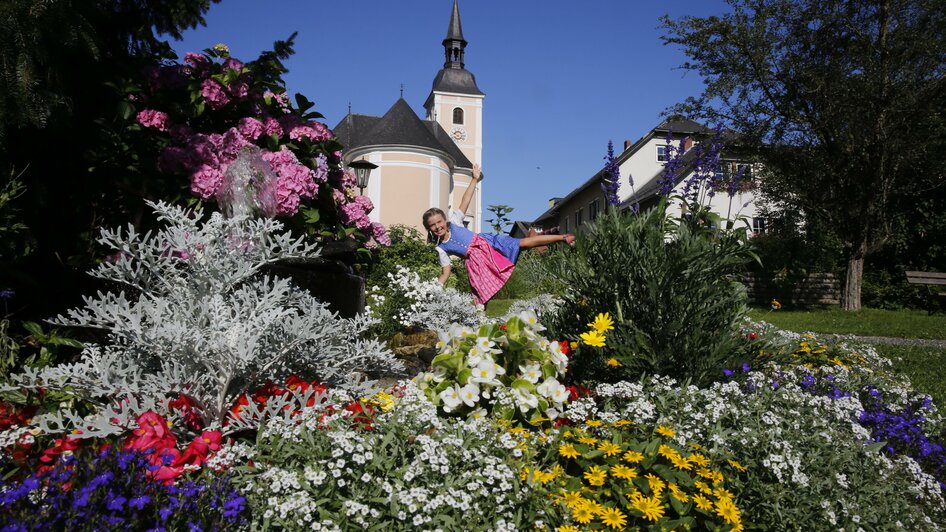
{"x": 363, "y": 170}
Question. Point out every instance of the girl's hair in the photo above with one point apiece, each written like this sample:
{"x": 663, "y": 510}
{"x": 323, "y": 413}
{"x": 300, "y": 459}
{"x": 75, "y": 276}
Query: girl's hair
{"x": 428, "y": 214}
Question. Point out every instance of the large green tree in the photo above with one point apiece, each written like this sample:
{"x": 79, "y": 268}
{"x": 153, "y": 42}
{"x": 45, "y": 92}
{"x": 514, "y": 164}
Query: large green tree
{"x": 63, "y": 71}
{"x": 843, "y": 100}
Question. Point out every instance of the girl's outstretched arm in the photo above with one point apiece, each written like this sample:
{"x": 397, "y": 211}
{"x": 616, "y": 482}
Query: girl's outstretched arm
{"x": 444, "y": 275}
{"x": 470, "y": 189}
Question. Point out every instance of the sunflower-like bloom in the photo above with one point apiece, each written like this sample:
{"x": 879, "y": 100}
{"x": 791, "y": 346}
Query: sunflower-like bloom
{"x": 614, "y": 363}
{"x": 609, "y": 448}
{"x": 666, "y": 431}
{"x": 633, "y": 457}
{"x": 622, "y": 471}
{"x": 651, "y": 507}
{"x": 614, "y": 518}
{"x": 702, "y": 502}
{"x": 593, "y": 338}
{"x": 726, "y": 509}
{"x": 568, "y": 451}
{"x": 596, "y": 476}
{"x": 602, "y": 323}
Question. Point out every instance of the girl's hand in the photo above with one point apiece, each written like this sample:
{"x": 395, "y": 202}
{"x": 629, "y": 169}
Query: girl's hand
{"x": 477, "y": 174}
{"x": 569, "y": 239}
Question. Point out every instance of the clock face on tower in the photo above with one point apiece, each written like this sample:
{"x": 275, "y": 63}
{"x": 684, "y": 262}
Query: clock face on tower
{"x": 458, "y": 134}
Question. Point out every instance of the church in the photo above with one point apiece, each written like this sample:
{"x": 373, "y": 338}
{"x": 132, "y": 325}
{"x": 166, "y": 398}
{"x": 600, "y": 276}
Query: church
{"x": 423, "y": 163}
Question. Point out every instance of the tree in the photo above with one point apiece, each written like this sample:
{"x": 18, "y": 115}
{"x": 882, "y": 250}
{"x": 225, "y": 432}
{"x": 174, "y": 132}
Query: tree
{"x": 842, "y": 102}
{"x": 499, "y": 221}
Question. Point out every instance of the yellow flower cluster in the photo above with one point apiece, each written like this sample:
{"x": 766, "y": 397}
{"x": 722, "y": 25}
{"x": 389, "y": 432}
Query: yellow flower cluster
{"x": 595, "y": 336}
{"x": 811, "y": 355}
{"x": 610, "y": 477}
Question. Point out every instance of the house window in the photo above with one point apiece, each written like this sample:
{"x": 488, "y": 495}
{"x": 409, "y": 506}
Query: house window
{"x": 593, "y": 209}
{"x": 565, "y": 225}
{"x": 661, "y": 154}
{"x": 577, "y": 218}
{"x": 758, "y": 225}
{"x": 746, "y": 170}
{"x": 457, "y": 115}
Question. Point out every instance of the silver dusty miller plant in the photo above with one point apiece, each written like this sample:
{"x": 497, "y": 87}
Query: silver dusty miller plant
{"x": 196, "y": 316}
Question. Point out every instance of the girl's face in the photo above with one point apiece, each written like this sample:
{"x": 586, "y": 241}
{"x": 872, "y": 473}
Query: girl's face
{"x": 438, "y": 226}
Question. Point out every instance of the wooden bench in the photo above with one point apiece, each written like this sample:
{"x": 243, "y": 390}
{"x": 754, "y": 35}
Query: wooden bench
{"x": 929, "y": 279}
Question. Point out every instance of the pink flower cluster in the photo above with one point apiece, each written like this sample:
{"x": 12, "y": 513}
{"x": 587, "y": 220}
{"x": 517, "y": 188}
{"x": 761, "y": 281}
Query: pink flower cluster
{"x": 266, "y": 117}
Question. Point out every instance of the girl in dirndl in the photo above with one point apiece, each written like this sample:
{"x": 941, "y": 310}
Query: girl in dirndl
{"x": 490, "y": 259}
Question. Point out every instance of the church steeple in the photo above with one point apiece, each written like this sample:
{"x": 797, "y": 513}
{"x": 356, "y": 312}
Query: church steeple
{"x": 454, "y": 44}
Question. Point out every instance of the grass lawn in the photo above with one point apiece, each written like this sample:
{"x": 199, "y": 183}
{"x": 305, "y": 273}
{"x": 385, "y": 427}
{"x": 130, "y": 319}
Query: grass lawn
{"x": 867, "y": 322}
{"x": 498, "y": 307}
{"x": 925, "y": 366}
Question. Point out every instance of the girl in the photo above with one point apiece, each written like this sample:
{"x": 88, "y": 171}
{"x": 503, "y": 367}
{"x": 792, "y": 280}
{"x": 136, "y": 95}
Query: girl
{"x": 490, "y": 259}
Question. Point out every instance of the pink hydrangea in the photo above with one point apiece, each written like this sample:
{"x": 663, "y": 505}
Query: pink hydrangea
{"x": 380, "y": 234}
{"x": 250, "y": 128}
{"x": 320, "y": 174}
{"x": 365, "y": 203}
{"x": 194, "y": 59}
{"x": 206, "y": 182}
{"x": 239, "y": 90}
{"x": 154, "y": 119}
{"x": 346, "y": 179}
{"x": 232, "y": 63}
{"x": 294, "y": 180}
{"x": 271, "y": 127}
{"x": 312, "y": 130}
{"x": 214, "y": 94}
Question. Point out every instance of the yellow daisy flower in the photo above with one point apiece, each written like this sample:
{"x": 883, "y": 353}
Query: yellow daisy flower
{"x": 633, "y": 457}
{"x": 582, "y": 515}
{"x": 588, "y": 440}
{"x": 614, "y": 518}
{"x": 656, "y": 484}
{"x": 602, "y": 323}
{"x": 566, "y": 528}
{"x": 723, "y": 493}
{"x": 650, "y": 507}
{"x": 736, "y": 465}
{"x": 667, "y": 451}
{"x": 568, "y": 451}
{"x": 728, "y": 511}
{"x": 594, "y": 423}
{"x": 705, "y": 473}
{"x": 698, "y": 459}
{"x": 666, "y": 431}
{"x": 622, "y": 471}
{"x": 614, "y": 363}
{"x": 572, "y": 499}
{"x": 703, "y": 486}
{"x": 609, "y": 449}
{"x": 593, "y": 338}
{"x": 681, "y": 463}
{"x": 678, "y": 493}
{"x": 718, "y": 477}
{"x": 621, "y": 423}
{"x": 702, "y": 502}
{"x": 595, "y": 476}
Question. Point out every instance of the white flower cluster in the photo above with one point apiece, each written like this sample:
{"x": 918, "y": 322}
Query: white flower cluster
{"x": 430, "y": 305}
{"x": 412, "y": 470}
{"x": 542, "y": 305}
{"x": 474, "y": 365}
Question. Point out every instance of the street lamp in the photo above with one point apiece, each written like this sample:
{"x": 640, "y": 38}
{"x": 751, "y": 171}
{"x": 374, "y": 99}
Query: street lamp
{"x": 363, "y": 170}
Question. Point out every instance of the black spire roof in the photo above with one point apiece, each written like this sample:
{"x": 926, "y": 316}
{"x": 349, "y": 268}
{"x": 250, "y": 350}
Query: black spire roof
{"x": 455, "y": 30}
{"x": 399, "y": 126}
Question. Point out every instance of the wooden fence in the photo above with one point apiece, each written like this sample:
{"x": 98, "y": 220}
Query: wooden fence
{"x": 816, "y": 289}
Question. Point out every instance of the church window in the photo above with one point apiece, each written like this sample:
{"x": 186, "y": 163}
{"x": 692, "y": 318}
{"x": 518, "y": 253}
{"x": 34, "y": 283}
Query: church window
{"x": 457, "y": 115}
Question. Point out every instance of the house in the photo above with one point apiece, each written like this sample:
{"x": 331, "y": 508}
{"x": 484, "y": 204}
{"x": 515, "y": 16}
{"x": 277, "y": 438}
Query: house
{"x": 644, "y": 160}
{"x": 423, "y": 163}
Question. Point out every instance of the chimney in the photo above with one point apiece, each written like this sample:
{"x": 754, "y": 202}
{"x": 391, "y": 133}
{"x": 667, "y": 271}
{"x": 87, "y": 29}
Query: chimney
{"x": 627, "y": 144}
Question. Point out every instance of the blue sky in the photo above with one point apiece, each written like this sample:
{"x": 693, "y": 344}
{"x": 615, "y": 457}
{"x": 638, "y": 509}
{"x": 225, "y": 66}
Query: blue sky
{"x": 561, "y": 78}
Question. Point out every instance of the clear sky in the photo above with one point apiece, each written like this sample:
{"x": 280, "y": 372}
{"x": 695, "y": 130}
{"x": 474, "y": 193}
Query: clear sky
{"x": 561, "y": 77}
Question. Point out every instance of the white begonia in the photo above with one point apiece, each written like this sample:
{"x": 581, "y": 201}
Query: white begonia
{"x": 451, "y": 398}
{"x": 470, "y": 394}
{"x": 531, "y": 320}
{"x": 553, "y": 390}
{"x": 524, "y": 399}
{"x": 485, "y": 373}
{"x": 531, "y": 372}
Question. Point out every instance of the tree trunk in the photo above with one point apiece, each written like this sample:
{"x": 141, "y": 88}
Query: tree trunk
{"x": 851, "y": 297}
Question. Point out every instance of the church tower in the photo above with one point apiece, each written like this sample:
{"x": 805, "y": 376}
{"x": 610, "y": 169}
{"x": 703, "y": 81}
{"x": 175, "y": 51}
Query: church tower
{"x": 456, "y": 103}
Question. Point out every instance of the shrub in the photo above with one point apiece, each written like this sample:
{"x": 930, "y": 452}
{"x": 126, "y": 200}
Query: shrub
{"x": 197, "y": 318}
{"x": 672, "y": 289}
{"x": 409, "y": 302}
